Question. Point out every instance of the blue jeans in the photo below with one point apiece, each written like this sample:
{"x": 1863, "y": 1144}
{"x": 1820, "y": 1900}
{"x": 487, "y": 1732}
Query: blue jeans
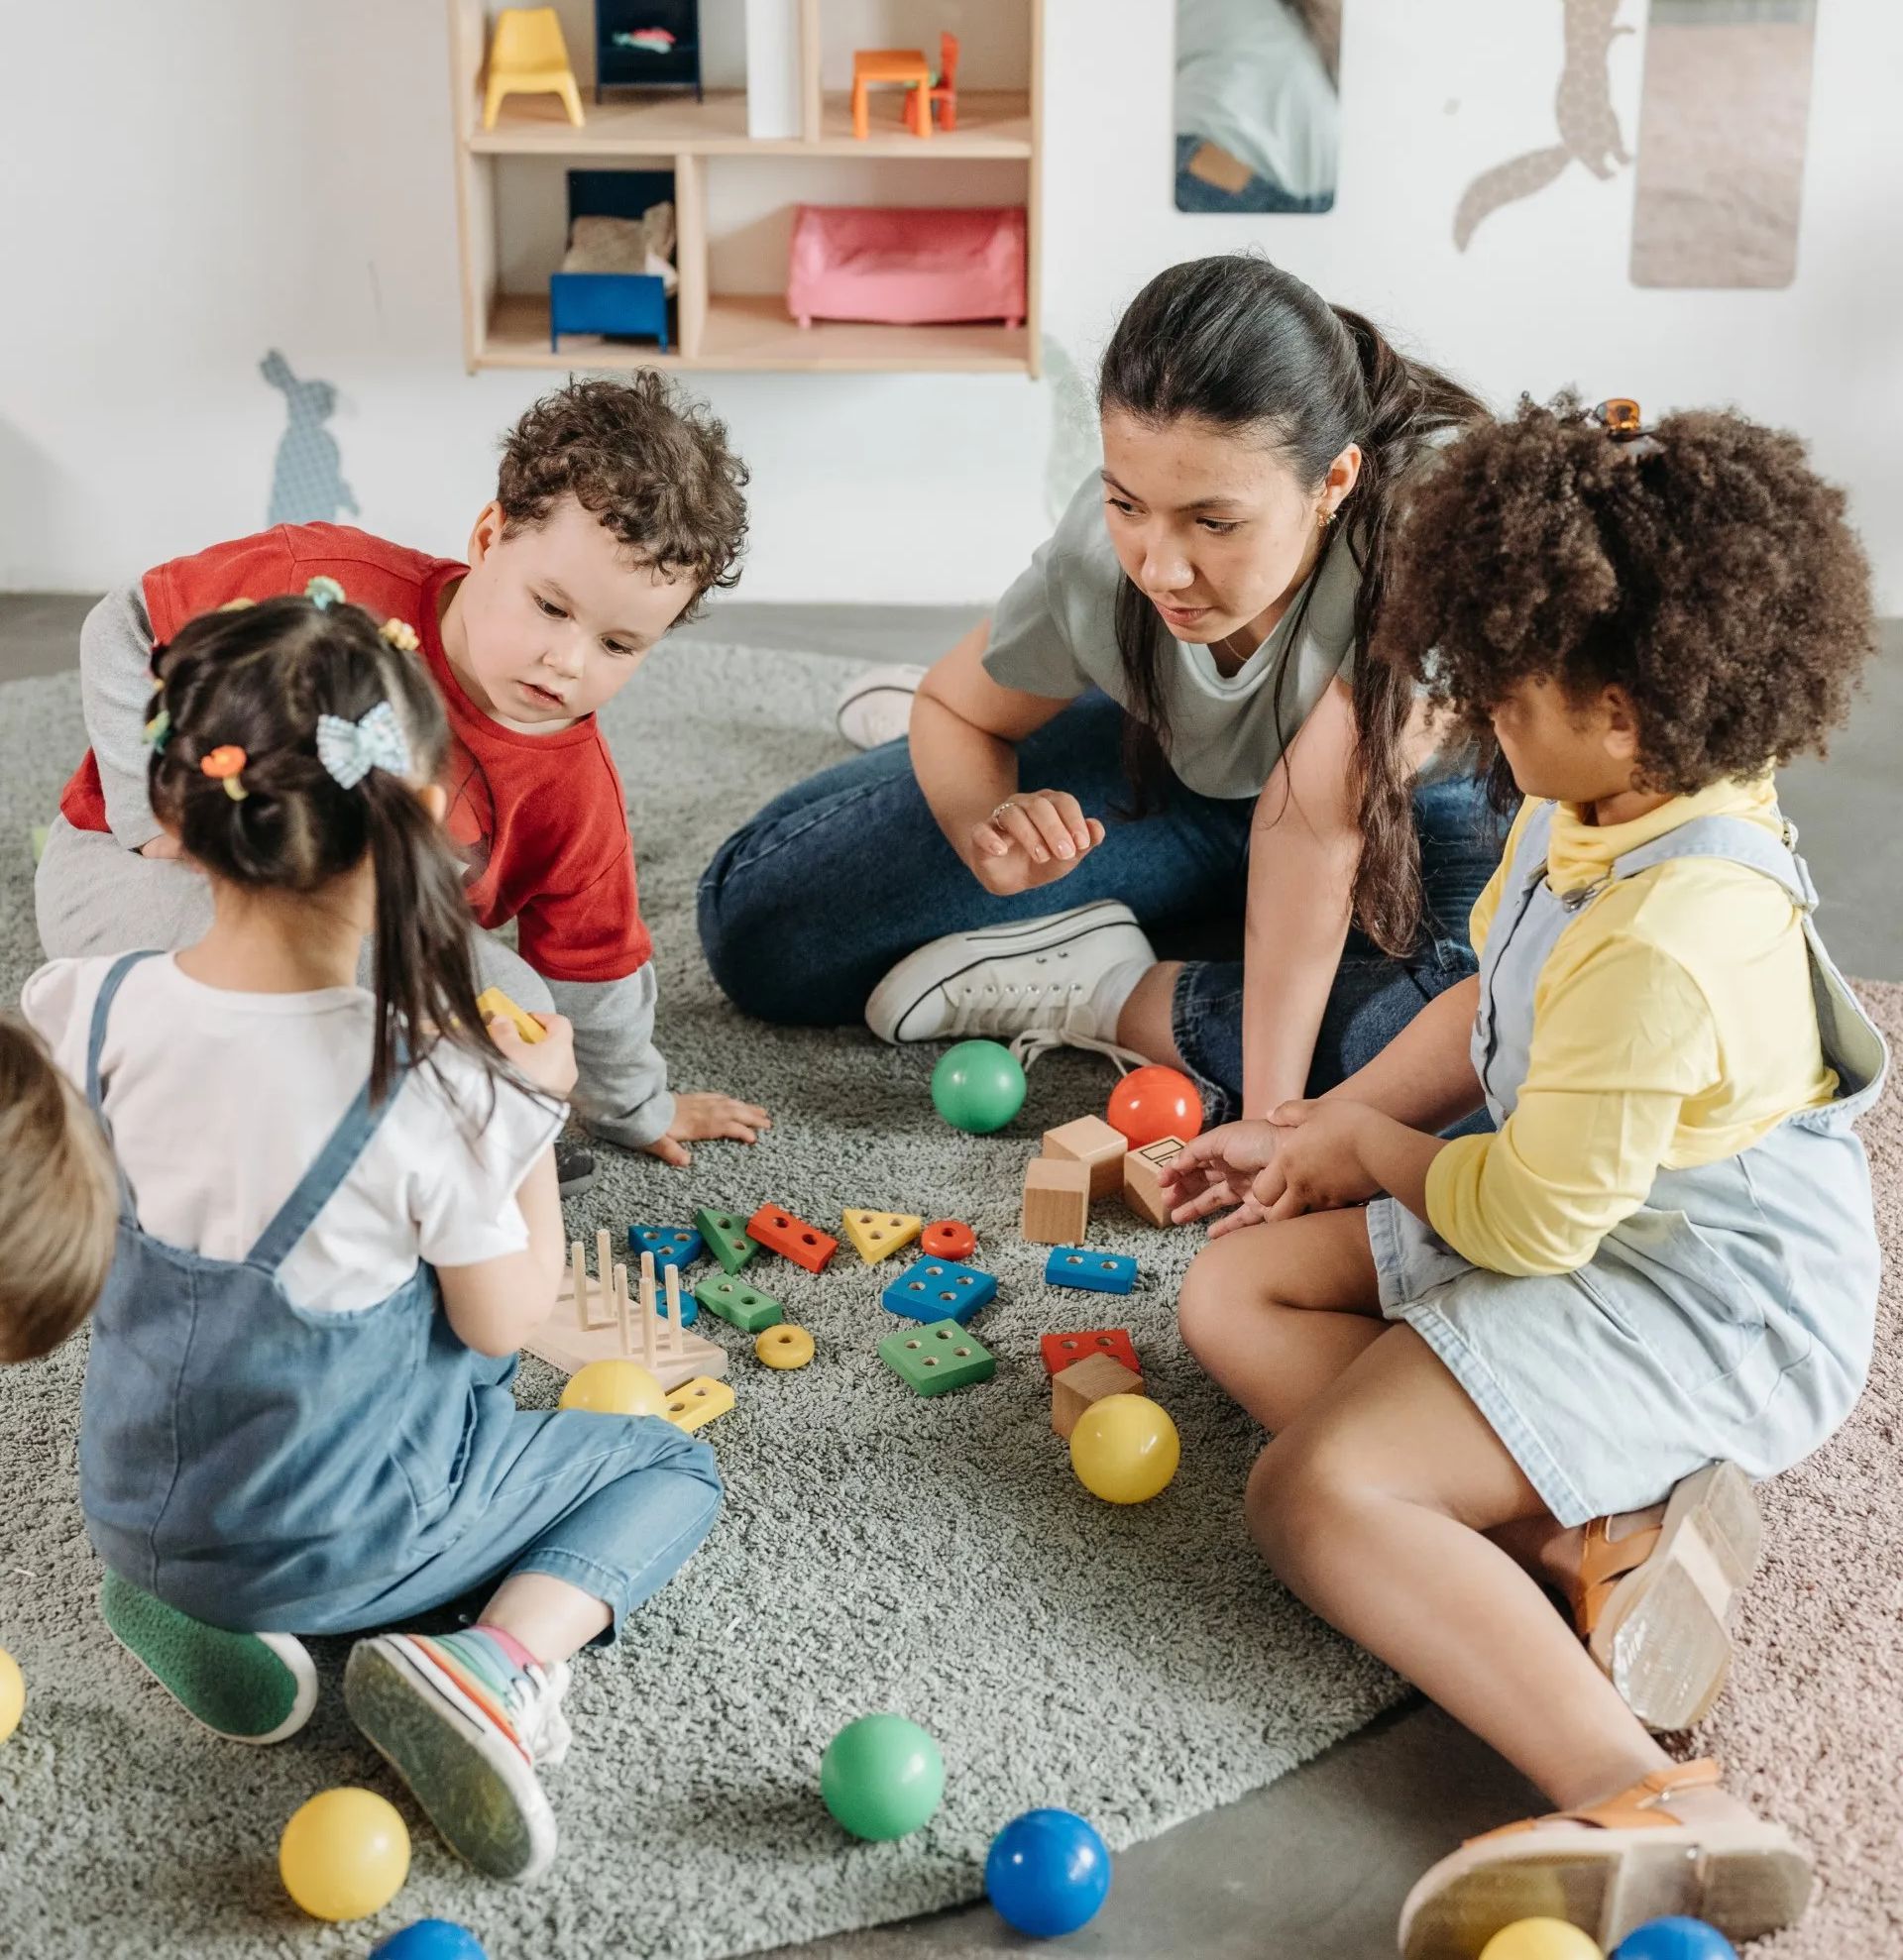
{"x": 1260, "y": 193}
{"x": 862, "y": 835}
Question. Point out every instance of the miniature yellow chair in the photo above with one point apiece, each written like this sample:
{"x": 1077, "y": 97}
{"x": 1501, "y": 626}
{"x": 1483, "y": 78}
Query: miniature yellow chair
{"x": 529, "y": 57}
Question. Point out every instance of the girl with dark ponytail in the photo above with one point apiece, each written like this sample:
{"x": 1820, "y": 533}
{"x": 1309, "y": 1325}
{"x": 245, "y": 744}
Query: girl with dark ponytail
{"x": 1177, "y": 712}
{"x": 338, "y": 1223}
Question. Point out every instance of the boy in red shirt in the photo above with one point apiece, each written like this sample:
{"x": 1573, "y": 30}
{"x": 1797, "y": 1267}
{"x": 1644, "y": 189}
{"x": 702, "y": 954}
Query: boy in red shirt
{"x": 619, "y": 506}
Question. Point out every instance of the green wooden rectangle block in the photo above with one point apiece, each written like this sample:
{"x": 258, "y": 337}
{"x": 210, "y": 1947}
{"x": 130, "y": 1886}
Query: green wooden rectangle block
{"x": 936, "y": 1359}
{"x": 733, "y": 1299}
{"x": 726, "y": 1240}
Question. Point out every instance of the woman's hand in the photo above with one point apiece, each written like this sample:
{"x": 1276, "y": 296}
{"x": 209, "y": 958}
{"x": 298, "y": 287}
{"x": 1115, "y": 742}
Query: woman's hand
{"x": 548, "y": 1063}
{"x": 1031, "y": 838}
{"x": 704, "y": 1115}
{"x": 1215, "y": 1171}
{"x": 1318, "y": 1164}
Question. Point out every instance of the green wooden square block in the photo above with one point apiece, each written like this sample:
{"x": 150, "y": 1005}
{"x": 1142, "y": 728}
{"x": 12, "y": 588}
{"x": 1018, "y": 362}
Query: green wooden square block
{"x": 726, "y": 1240}
{"x": 733, "y": 1299}
{"x": 939, "y": 1357}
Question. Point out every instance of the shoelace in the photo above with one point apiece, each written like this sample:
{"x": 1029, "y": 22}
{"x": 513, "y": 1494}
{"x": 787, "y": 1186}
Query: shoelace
{"x": 1035, "y": 1043}
{"x": 534, "y": 1699}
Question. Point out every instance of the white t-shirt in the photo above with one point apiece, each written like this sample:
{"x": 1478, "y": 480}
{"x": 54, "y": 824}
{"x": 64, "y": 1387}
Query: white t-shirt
{"x": 1054, "y": 633}
{"x": 219, "y": 1102}
{"x": 1250, "y": 81}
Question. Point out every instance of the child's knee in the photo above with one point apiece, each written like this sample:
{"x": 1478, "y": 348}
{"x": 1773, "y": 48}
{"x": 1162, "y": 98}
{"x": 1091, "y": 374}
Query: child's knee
{"x": 1222, "y": 1280}
{"x": 1296, "y": 1494}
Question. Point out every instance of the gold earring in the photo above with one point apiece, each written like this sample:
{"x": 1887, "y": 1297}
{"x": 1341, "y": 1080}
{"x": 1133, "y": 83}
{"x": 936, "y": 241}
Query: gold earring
{"x": 1325, "y": 517}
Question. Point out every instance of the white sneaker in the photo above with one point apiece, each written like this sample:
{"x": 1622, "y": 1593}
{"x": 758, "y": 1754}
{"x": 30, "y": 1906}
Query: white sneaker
{"x": 1038, "y": 978}
{"x": 876, "y": 706}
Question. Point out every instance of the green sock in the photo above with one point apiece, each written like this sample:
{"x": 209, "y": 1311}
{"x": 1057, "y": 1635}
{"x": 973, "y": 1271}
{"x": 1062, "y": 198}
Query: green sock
{"x": 249, "y": 1687}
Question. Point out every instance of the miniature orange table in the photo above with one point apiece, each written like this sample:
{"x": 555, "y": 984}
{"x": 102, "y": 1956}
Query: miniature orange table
{"x": 905, "y": 67}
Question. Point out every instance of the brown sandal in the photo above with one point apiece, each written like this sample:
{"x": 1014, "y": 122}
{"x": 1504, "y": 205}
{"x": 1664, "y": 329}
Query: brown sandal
{"x": 1652, "y": 1607}
{"x": 1609, "y": 1868}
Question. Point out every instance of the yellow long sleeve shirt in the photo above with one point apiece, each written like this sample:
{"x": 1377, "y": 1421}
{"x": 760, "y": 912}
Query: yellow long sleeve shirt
{"x": 1673, "y": 1026}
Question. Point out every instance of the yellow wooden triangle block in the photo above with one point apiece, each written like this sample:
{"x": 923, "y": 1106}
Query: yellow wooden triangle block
{"x": 875, "y": 1234}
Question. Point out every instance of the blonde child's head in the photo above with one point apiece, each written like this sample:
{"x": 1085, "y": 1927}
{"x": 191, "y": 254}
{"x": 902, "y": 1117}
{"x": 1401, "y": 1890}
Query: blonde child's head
{"x": 618, "y": 510}
{"x": 58, "y": 1200}
{"x": 295, "y": 745}
{"x": 1661, "y": 609}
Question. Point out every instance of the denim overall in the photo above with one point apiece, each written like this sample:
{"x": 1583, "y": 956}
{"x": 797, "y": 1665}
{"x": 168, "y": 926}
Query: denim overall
{"x": 265, "y": 1468}
{"x": 1732, "y": 1316}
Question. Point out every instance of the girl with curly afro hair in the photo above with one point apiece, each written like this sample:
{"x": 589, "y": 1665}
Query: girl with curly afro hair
{"x": 1561, "y": 1350}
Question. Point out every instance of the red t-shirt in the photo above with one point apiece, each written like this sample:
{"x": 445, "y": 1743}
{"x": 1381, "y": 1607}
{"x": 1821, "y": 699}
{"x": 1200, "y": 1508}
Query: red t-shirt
{"x": 539, "y": 821}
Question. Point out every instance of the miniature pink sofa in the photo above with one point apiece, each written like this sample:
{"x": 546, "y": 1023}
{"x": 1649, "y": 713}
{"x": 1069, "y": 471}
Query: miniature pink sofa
{"x": 904, "y": 267}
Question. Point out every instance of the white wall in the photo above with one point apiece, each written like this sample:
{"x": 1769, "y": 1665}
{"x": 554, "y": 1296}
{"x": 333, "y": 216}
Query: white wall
{"x": 225, "y": 176}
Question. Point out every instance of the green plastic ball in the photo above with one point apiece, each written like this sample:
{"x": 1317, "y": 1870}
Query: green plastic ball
{"x": 881, "y": 1777}
{"x": 978, "y": 1087}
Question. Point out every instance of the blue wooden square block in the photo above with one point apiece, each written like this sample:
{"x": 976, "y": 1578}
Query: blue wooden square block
{"x": 1091, "y": 1273}
{"x": 672, "y": 1246}
{"x": 941, "y": 1290}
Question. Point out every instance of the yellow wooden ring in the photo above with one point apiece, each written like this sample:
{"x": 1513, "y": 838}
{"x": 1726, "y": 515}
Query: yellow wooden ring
{"x": 784, "y": 1345}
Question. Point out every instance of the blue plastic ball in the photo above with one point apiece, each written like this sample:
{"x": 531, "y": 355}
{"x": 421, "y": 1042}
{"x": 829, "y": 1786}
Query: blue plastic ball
{"x": 430, "y": 1939}
{"x": 1675, "y": 1939}
{"x": 1047, "y": 1872}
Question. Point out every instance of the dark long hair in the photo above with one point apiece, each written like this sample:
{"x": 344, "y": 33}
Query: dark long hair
{"x": 1243, "y": 345}
{"x": 256, "y": 679}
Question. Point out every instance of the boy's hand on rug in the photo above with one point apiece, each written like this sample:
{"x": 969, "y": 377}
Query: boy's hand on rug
{"x": 161, "y": 846}
{"x": 548, "y": 1063}
{"x": 1215, "y": 1171}
{"x": 1031, "y": 838}
{"x": 704, "y": 1116}
{"x": 1318, "y": 1164}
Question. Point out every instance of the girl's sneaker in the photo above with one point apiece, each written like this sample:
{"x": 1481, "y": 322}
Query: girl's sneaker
{"x": 465, "y": 1725}
{"x": 246, "y": 1687}
{"x": 876, "y": 705}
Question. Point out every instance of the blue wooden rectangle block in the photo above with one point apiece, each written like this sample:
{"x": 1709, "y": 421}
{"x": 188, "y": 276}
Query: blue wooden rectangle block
{"x": 1091, "y": 1273}
{"x": 941, "y": 1290}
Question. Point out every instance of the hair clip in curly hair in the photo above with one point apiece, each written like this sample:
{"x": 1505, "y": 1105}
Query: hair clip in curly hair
{"x": 158, "y": 728}
{"x": 225, "y": 765}
{"x": 1620, "y": 417}
{"x": 400, "y": 634}
{"x": 324, "y": 592}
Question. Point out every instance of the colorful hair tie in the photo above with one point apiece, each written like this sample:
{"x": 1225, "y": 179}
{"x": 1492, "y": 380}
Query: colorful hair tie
{"x": 236, "y": 604}
{"x": 223, "y": 765}
{"x": 350, "y": 750}
{"x": 400, "y": 634}
{"x": 324, "y": 592}
{"x": 159, "y": 731}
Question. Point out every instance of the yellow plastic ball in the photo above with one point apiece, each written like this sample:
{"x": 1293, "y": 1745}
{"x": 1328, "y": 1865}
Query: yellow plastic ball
{"x": 784, "y": 1345}
{"x": 1125, "y": 1449}
{"x": 1540, "y": 1939}
{"x": 614, "y": 1388}
{"x": 13, "y": 1695}
{"x": 345, "y": 1854}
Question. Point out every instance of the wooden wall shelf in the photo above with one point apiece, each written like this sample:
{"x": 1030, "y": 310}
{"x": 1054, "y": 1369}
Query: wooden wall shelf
{"x": 726, "y": 331}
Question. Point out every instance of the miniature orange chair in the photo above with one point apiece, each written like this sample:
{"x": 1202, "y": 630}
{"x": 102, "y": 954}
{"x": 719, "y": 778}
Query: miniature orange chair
{"x": 945, "y": 90}
{"x": 529, "y": 57}
{"x": 903, "y": 67}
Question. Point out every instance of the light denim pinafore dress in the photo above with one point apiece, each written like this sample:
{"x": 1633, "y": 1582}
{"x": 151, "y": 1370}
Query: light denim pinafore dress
{"x": 265, "y": 1468}
{"x": 1731, "y": 1317}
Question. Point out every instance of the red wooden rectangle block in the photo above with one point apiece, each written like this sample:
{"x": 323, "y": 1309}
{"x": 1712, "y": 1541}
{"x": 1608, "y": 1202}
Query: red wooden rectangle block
{"x": 1060, "y": 1350}
{"x": 792, "y": 1237}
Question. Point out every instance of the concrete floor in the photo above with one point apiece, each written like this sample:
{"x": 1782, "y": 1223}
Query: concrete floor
{"x": 1315, "y": 1867}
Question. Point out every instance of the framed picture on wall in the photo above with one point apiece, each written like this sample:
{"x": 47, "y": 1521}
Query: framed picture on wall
{"x": 1255, "y": 104}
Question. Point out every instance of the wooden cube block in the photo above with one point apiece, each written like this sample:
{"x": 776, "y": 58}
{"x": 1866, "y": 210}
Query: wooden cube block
{"x": 1142, "y": 1188}
{"x": 1057, "y": 1201}
{"x": 1089, "y": 1140}
{"x": 1075, "y": 1388}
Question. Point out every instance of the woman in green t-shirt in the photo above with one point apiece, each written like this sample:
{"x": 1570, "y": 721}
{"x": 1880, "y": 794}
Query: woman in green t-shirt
{"x": 1174, "y": 712}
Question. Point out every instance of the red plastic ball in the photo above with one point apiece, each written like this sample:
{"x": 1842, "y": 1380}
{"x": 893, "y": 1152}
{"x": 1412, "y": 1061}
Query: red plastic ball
{"x": 1154, "y": 1102}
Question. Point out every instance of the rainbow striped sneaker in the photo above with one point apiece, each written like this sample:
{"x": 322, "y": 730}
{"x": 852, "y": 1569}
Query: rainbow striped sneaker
{"x": 246, "y": 1687}
{"x": 465, "y": 1726}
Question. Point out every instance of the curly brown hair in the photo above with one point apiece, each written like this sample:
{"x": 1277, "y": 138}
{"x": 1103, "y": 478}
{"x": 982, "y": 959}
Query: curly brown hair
{"x": 1708, "y": 571}
{"x": 652, "y": 465}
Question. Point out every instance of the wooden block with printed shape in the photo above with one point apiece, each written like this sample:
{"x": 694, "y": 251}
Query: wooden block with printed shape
{"x": 1142, "y": 1188}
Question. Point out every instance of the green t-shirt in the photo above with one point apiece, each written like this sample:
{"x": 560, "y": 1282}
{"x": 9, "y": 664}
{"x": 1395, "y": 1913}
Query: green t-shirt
{"x": 1054, "y": 633}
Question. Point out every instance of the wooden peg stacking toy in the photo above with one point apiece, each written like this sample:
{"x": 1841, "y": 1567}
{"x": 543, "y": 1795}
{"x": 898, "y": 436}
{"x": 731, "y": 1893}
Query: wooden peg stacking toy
{"x": 1075, "y": 1388}
{"x": 694, "y": 1404}
{"x": 1090, "y": 1140}
{"x": 1059, "y": 1351}
{"x": 792, "y": 1237}
{"x": 1141, "y": 1187}
{"x": 1057, "y": 1201}
{"x": 1089, "y": 1271}
{"x": 878, "y": 1234}
{"x": 949, "y": 1239}
{"x": 604, "y": 1324}
{"x": 724, "y": 1234}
